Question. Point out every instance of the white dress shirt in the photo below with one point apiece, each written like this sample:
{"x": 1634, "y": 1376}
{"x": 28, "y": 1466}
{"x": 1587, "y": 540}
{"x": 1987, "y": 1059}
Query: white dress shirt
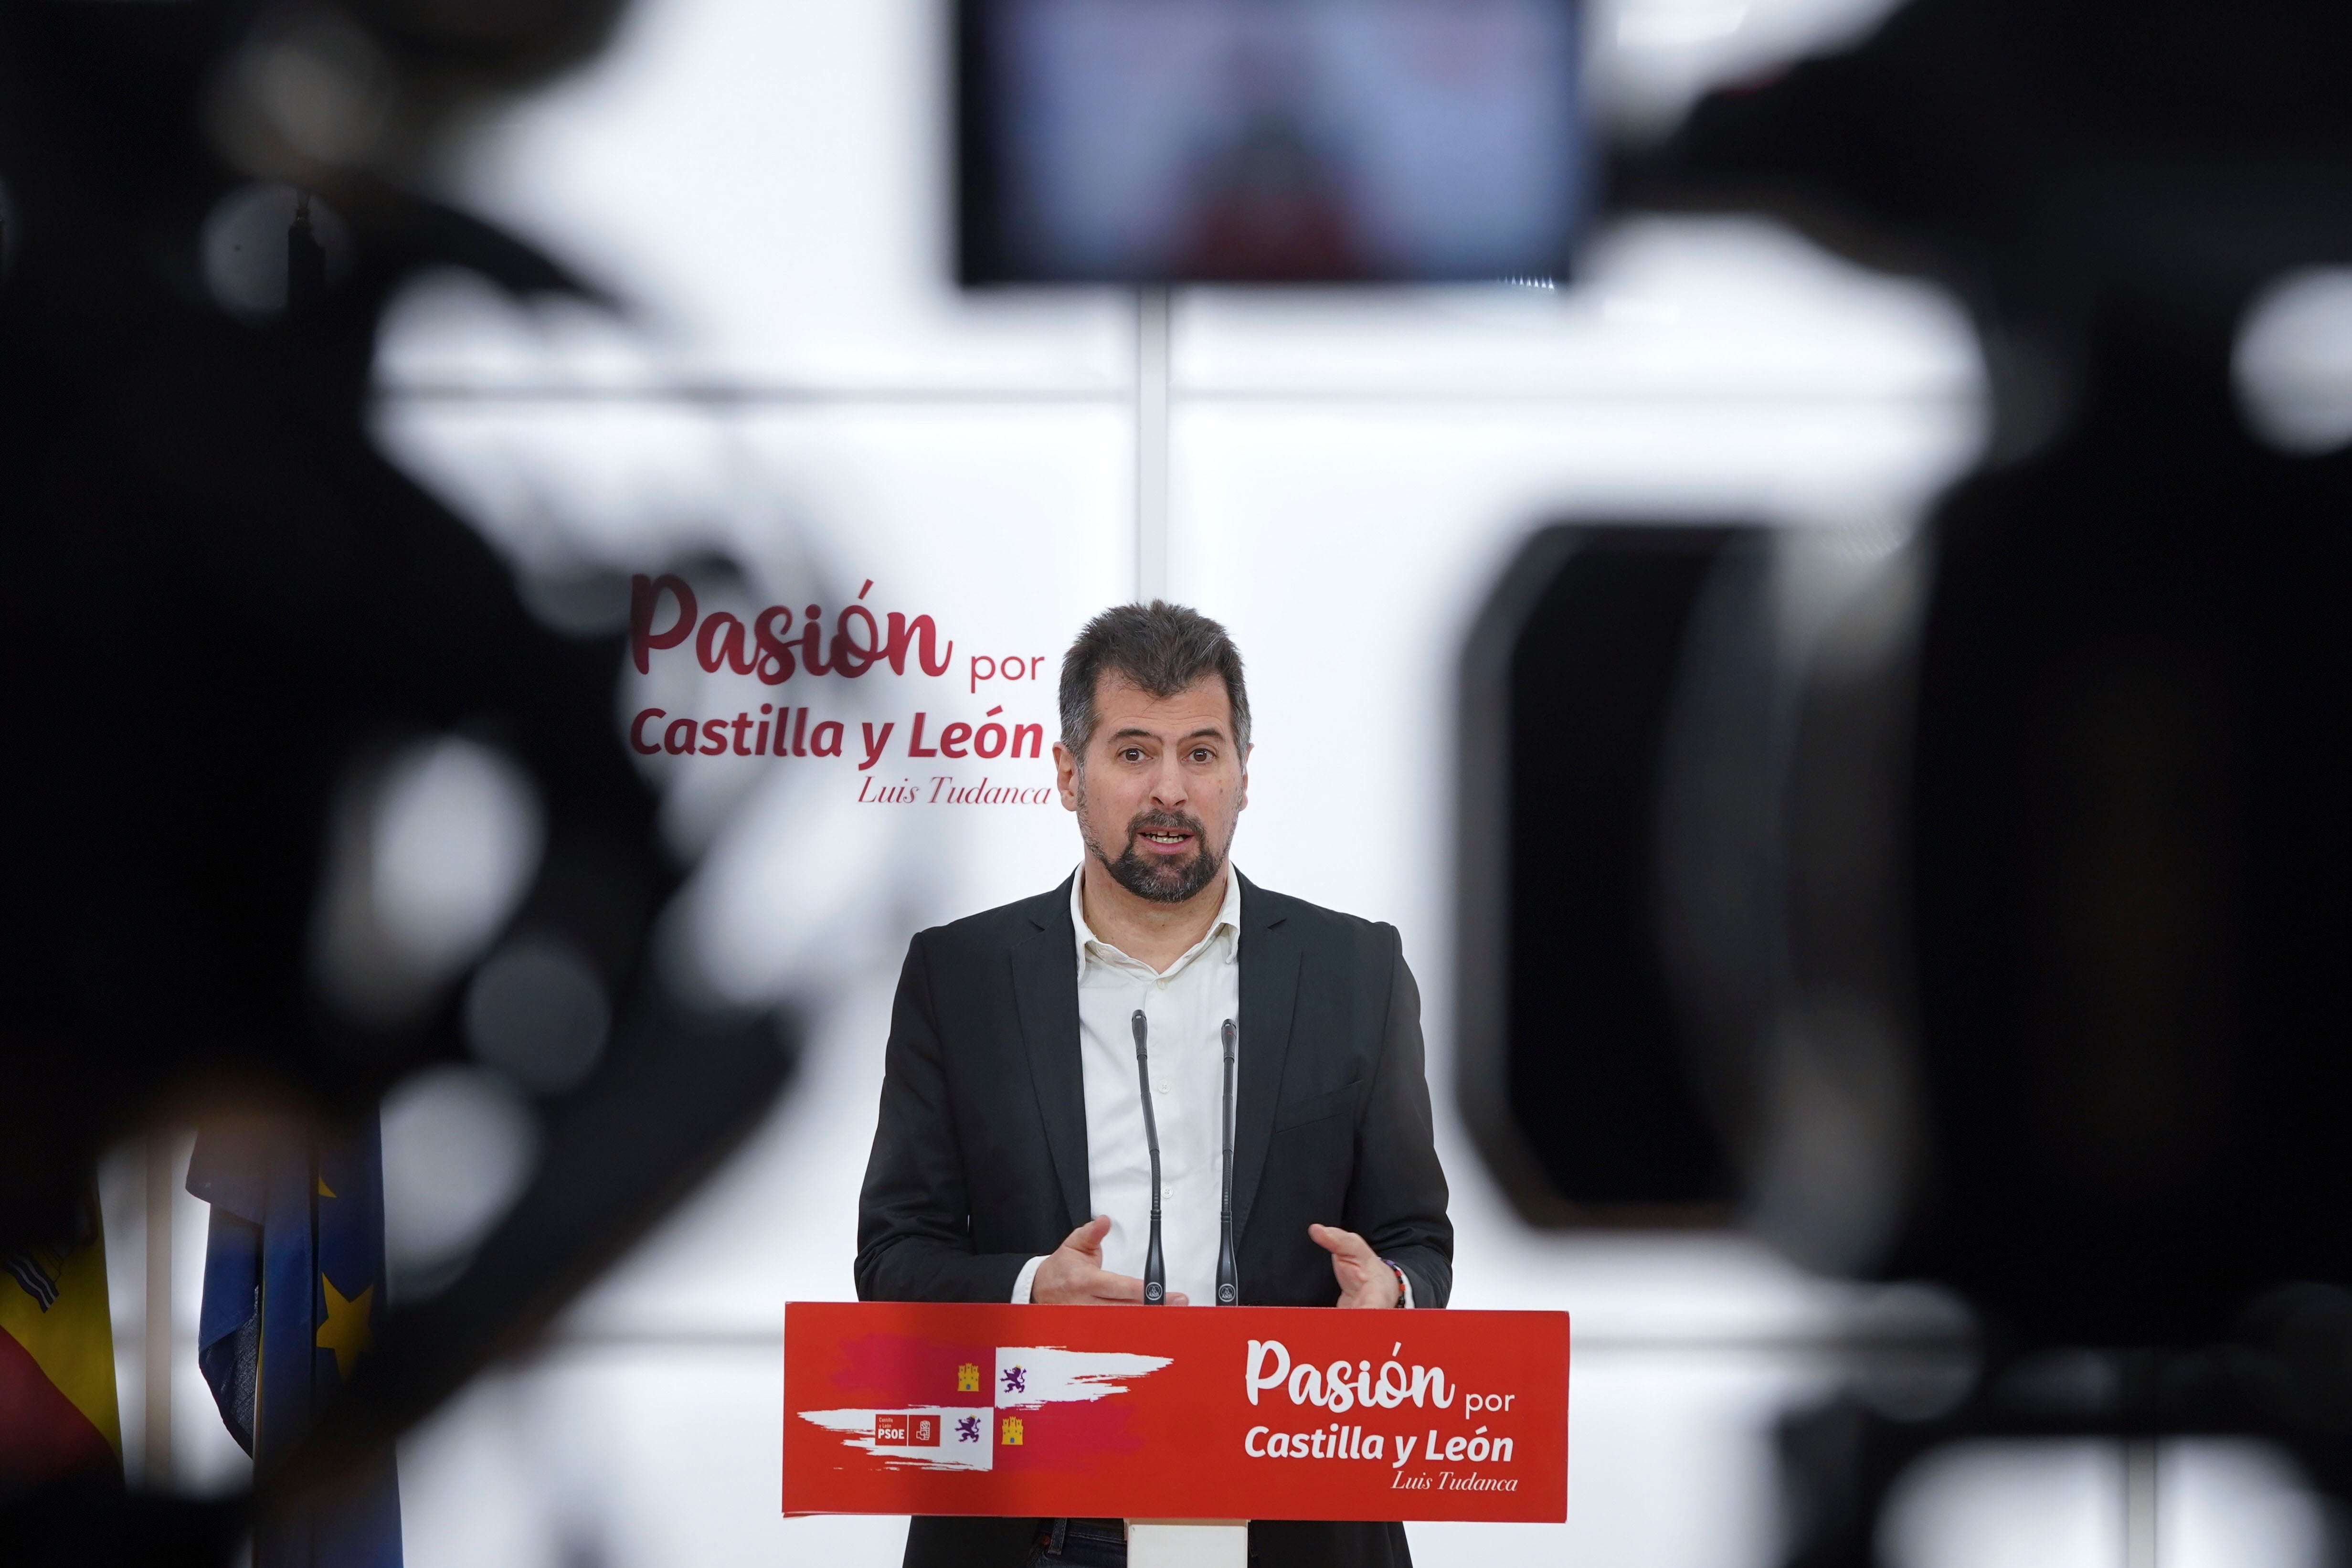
{"x": 1184, "y": 1007}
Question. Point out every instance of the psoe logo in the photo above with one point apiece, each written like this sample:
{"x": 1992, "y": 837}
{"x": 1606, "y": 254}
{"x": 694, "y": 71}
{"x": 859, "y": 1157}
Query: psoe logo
{"x": 906, "y": 1431}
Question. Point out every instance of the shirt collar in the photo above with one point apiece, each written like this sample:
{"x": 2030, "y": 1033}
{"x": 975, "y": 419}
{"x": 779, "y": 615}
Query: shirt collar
{"x": 1226, "y": 929}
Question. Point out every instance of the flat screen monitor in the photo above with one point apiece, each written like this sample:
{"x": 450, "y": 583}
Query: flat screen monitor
{"x": 1269, "y": 141}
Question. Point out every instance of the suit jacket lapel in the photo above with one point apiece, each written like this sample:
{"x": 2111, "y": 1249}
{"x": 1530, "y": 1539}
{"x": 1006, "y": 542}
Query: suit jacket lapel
{"x": 1046, "y": 992}
{"x": 1269, "y": 995}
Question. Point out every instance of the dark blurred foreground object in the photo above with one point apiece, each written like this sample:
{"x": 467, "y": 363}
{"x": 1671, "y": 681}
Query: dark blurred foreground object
{"x": 1987, "y": 931}
{"x": 1685, "y": 993}
{"x": 1575, "y": 1080}
{"x": 263, "y": 688}
{"x": 1242, "y": 142}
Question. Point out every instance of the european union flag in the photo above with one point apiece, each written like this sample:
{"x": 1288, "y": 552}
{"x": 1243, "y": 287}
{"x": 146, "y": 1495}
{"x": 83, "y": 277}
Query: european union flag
{"x": 293, "y": 1289}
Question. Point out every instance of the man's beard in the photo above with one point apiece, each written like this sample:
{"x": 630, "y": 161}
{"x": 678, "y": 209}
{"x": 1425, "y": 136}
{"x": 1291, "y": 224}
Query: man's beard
{"x": 1155, "y": 876}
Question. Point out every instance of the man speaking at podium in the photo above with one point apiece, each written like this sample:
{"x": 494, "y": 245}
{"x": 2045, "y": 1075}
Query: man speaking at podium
{"x": 1053, "y": 1061}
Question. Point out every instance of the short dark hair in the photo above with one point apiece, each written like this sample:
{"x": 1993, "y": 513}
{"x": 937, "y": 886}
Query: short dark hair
{"x": 1161, "y": 648}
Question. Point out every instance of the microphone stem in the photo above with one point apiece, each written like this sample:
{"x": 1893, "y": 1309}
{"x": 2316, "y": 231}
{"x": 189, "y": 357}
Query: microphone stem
{"x": 1155, "y": 1265}
{"x": 1229, "y": 1284}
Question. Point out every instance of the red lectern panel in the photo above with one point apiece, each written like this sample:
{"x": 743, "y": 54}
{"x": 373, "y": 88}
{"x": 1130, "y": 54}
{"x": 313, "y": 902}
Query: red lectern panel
{"x": 1178, "y": 1413}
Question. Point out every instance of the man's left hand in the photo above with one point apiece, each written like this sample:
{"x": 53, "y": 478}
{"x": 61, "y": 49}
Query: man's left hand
{"x": 1365, "y": 1279}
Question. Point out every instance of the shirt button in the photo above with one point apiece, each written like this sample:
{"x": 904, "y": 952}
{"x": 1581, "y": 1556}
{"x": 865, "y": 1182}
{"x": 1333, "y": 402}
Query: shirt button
{"x": 1162, "y": 984}
{"x": 1161, "y": 1087}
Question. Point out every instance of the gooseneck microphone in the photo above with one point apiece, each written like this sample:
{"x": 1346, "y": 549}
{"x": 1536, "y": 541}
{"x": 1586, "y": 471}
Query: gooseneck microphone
{"x": 1229, "y": 1284}
{"x": 1155, "y": 1267}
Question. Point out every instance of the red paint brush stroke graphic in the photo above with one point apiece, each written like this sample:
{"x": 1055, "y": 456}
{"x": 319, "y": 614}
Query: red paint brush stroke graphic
{"x": 1404, "y": 1416}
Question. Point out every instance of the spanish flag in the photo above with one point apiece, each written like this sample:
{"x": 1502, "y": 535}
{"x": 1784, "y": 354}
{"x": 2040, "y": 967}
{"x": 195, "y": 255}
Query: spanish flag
{"x": 57, "y": 1362}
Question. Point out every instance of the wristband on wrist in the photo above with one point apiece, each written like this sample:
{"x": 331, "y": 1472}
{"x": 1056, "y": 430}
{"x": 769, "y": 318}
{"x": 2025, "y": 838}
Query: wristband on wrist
{"x": 1402, "y": 1291}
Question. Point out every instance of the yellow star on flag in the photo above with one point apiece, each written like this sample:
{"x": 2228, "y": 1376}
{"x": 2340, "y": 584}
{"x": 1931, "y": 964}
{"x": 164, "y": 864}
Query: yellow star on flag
{"x": 346, "y": 1330}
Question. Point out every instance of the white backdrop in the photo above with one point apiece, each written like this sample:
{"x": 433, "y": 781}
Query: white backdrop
{"x": 800, "y": 388}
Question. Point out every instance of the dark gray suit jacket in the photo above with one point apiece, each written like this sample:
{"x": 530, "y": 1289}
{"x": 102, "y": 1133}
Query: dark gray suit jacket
{"x": 979, "y": 1157}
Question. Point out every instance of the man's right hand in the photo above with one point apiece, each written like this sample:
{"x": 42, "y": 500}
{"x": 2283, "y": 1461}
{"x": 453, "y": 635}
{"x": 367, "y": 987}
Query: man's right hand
{"x": 1073, "y": 1275}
